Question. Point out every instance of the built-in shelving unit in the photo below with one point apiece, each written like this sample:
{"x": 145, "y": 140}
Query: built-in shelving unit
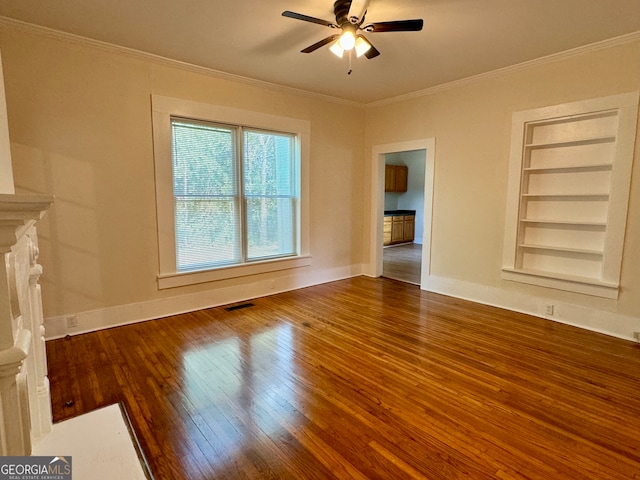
{"x": 563, "y": 197}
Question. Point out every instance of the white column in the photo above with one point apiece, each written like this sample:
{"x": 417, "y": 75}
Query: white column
{"x": 15, "y": 429}
{"x": 24, "y": 386}
{"x": 41, "y": 416}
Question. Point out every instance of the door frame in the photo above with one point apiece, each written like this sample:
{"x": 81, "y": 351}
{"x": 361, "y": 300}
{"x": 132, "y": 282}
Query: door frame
{"x": 377, "y": 201}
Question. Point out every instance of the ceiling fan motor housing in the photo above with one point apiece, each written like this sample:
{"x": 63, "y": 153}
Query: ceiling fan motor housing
{"x": 341, "y": 9}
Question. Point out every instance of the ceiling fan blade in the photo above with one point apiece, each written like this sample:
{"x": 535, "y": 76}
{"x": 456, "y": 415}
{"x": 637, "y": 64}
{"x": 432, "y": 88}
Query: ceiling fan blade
{"x": 359, "y": 9}
{"x": 395, "y": 26}
{"x": 306, "y": 18}
{"x": 321, "y": 43}
{"x": 372, "y": 52}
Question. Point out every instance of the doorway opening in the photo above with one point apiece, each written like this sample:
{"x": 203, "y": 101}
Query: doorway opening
{"x": 401, "y": 220}
{"x": 403, "y": 215}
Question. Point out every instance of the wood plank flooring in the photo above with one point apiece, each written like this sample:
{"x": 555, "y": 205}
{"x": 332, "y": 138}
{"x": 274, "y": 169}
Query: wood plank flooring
{"x": 402, "y": 262}
{"x": 362, "y": 379}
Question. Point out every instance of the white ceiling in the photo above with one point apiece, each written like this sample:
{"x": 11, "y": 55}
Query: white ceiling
{"x": 251, "y": 38}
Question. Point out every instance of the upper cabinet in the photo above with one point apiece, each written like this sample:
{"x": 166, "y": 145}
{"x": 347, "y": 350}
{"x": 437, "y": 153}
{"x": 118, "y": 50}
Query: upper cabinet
{"x": 395, "y": 178}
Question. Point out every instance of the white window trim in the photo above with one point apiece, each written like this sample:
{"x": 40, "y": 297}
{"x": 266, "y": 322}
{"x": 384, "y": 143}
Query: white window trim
{"x": 163, "y": 108}
{"x": 609, "y": 283}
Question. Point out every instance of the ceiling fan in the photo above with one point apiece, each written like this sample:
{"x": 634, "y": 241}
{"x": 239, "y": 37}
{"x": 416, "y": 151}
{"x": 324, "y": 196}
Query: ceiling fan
{"x": 349, "y": 38}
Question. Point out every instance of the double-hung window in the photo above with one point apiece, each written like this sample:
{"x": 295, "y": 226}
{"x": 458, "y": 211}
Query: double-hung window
{"x": 229, "y": 192}
{"x": 235, "y": 192}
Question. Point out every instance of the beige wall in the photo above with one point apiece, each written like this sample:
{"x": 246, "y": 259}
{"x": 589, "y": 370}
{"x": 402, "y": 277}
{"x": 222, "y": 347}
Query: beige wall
{"x": 80, "y": 126}
{"x": 472, "y": 127}
{"x": 6, "y": 170}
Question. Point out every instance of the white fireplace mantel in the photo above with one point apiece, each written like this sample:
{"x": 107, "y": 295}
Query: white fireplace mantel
{"x": 25, "y": 401}
{"x": 17, "y": 213}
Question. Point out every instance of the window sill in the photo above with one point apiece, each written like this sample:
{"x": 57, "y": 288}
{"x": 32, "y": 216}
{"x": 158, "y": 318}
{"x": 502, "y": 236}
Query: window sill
{"x": 172, "y": 280}
{"x": 568, "y": 283}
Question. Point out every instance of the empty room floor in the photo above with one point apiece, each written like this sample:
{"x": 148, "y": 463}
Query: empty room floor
{"x": 362, "y": 378}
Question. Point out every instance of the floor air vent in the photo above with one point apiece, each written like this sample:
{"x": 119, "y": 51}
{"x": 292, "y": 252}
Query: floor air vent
{"x": 238, "y": 307}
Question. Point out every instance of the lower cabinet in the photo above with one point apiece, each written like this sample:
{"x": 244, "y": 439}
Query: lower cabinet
{"x": 386, "y": 231}
{"x": 398, "y": 229}
{"x": 408, "y": 228}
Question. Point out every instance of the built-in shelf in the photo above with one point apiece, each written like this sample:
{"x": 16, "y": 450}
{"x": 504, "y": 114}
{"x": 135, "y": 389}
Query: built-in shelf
{"x": 573, "y": 283}
{"x": 554, "y": 248}
{"x": 569, "y": 168}
{"x": 566, "y": 226}
{"x": 563, "y": 222}
{"x": 567, "y": 195}
{"x": 571, "y": 143}
{"x": 564, "y": 276}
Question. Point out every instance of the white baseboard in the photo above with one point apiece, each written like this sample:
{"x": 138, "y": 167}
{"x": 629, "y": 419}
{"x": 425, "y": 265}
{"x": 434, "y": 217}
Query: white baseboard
{"x": 89, "y": 321}
{"x": 609, "y": 323}
{"x": 601, "y": 321}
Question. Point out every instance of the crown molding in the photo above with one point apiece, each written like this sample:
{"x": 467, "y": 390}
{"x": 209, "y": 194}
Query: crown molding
{"x": 158, "y": 59}
{"x": 592, "y": 47}
{"x": 150, "y": 57}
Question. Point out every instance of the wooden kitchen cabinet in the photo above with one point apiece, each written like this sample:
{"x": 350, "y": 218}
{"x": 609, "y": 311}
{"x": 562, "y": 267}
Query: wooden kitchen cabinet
{"x": 402, "y": 177}
{"x": 408, "y": 228}
{"x": 398, "y": 229}
{"x": 386, "y": 231}
{"x": 395, "y": 178}
{"x": 389, "y": 178}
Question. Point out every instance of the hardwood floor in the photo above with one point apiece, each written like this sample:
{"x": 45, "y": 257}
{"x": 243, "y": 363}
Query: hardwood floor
{"x": 402, "y": 262}
{"x": 362, "y": 379}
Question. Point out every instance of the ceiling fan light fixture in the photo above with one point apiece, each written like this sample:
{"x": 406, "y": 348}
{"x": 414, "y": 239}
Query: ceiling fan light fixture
{"x": 350, "y": 25}
{"x": 336, "y": 49}
{"x": 361, "y": 46}
{"x": 347, "y": 40}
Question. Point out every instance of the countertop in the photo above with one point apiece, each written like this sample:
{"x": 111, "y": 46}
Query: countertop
{"x": 393, "y": 213}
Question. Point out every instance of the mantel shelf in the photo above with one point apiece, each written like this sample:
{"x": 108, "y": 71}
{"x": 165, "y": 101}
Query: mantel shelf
{"x": 18, "y": 211}
{"x": 24, "y": 207}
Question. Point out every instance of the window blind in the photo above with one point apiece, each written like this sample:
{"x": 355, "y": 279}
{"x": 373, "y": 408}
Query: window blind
{"x": 205, "y": 185}
{"x": 269, "y": 194}
{"x": 229, "y": 211}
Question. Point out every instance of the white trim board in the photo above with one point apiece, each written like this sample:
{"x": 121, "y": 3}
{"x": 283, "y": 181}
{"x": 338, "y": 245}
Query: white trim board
{"x": 94, "y": 320}
{"x": 166, "y": 108}
{"x": 555, "y": 57}
{"x": 150, "y": 57}
{"x": 600, "y": 321}
{"x": 140, "y": 55}
{"x": 378, "y": 153}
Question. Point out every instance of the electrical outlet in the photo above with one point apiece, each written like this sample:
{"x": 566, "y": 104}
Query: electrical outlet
{"x": 72, "y": 321}
{"x": 548, "y": 309}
